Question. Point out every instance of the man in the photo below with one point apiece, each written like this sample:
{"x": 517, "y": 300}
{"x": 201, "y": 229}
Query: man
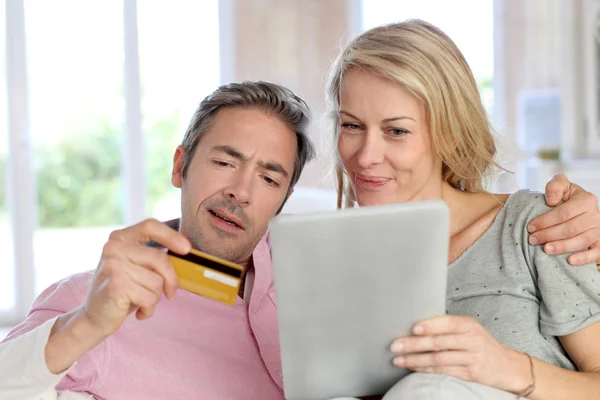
{"x": 241, "y": 156}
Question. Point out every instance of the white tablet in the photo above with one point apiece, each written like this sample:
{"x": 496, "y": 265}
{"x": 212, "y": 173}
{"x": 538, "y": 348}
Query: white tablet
{"x": 348, "y": 283}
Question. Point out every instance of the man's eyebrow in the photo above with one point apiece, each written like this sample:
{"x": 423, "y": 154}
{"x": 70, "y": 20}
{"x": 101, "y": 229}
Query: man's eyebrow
{"x": 235, "y": 153}
{"x": 231, "y": 151}
{"x": 384, "y": 121}
{"x": 274, "y": 166}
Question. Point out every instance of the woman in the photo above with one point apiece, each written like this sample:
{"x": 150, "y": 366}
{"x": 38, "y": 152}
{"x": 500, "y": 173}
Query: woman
{"x": 411, "y": 127}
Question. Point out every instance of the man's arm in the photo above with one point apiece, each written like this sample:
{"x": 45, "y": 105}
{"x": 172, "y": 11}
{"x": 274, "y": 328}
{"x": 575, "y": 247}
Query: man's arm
{"x": 71, "y": 336}
{"x": 23, "y": 372}
{"x": 130, "y": 278}
{"x": 573, "y": 226}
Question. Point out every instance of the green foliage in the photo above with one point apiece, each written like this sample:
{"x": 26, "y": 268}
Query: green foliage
{"x": 161, "y": 141}
{"x": 485, "y": 83}
{"x": 79, "y": 179}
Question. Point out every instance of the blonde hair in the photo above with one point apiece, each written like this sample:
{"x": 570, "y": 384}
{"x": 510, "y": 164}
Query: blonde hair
{"x": 421, "y": 58}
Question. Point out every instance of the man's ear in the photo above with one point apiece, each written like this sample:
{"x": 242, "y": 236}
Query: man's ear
{"x": 177, "y": 173}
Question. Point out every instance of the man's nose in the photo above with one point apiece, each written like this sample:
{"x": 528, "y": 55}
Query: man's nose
{"x": 240, "y": 189}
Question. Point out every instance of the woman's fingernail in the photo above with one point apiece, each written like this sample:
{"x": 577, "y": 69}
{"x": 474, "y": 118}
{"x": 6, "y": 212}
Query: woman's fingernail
{"x": 418, "y": 329}
{"x": 397, "y": 347}
{"x": 549, "y": 248}
{"x": 399, "y": 361}
{"x": 533, "y": 240}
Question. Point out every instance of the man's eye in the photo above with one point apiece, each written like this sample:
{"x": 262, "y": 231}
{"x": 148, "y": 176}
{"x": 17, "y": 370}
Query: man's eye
{"x": 350, "y": 126}
{"x": 270, "y": 181}
{"x": 221, "y": 163}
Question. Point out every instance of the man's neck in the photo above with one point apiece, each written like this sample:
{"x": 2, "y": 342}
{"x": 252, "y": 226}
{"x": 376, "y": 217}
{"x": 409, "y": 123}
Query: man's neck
{"x": 247, "y": 283}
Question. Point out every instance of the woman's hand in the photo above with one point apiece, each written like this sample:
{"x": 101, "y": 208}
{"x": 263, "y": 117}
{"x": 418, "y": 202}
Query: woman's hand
{"x": 460, "y": 347}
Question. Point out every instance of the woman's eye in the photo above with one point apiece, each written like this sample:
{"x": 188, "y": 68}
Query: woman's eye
{"x": 398, "y": 132}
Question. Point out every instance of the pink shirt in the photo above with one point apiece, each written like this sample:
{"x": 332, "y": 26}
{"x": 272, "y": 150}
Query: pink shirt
{"x": 192, "y": 348}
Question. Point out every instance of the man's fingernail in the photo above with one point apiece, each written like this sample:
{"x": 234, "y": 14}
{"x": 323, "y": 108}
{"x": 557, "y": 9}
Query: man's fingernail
{"x": 549, "y": 248}
{"x": 532, "y": 228}
{"x": 399, "y": 361}
{"x": 552, "y": 198}
{"x": 418, "y": 329}
{"x": 185, "y": 246}
{"x": 533, "y": 240}
{"x": 182, "y": 243}
{"x": 397, "y": 347}
{"x": 574, "y": 260}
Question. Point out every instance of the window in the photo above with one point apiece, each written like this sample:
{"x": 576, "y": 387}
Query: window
{"x": 179, "y": 66}
{"x": 77, "y": 111}
{"x": 7, "y": 298}
{"x": 471, "y": 30}
{"x": 75, "y": 62}
{"x": 591, "y": 60}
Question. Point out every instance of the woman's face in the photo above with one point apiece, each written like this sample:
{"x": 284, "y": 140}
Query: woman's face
{"x": 384, "y": 142}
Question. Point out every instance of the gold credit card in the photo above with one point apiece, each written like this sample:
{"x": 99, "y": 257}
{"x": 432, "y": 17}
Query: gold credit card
{"x": 207, "y": 275}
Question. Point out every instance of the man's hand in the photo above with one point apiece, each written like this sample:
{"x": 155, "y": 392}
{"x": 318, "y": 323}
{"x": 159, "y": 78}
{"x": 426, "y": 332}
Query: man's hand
{"x": 573, "y": 226}
{"x": 130, "y": 277}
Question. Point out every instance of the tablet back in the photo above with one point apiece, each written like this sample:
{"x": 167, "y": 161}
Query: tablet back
{"x": 348, "y": 283}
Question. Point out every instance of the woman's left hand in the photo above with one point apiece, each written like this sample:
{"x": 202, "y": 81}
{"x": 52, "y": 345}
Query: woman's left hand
{"x": 460, "y": 347}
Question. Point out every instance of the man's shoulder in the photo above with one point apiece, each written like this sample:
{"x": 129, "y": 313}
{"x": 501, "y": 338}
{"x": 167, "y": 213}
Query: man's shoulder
{"x": 75, "y": 282}
{"x": 70, "y": 290}
{"x": 59, "y": 298}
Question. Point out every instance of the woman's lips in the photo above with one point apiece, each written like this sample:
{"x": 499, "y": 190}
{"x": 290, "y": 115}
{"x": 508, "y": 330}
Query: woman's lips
{"x": 371, "y": 182}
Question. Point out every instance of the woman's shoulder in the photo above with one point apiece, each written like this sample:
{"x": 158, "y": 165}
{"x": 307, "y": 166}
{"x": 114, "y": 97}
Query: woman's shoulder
{"x": 525, "y": 203}
{"x": 512, "y": 212}
{"x": 521, "y": 197}
{"x": 518, "y": 210}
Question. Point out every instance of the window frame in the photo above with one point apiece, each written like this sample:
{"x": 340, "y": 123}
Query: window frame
{"x": 21, "y": 183}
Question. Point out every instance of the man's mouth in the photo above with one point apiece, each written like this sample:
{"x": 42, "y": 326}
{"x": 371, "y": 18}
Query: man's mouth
{"x": 228, "y": 219}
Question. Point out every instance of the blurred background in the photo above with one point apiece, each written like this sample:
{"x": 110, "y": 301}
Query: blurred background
{"x": 95, "y": 96}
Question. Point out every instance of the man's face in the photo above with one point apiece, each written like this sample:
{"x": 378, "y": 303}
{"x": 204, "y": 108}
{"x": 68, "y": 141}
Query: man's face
{"x": 236, "y": 182}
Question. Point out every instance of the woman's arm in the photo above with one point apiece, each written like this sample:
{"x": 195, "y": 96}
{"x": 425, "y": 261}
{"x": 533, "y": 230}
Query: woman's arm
{"x": 553, "y": 382}
{"x": 460, "y": 347}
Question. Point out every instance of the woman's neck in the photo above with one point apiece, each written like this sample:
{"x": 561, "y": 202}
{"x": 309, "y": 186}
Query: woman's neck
{"x": 471, "y": 215}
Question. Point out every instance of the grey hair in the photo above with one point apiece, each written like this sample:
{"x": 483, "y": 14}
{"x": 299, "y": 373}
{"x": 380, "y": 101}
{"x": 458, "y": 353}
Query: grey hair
{"x": 271, "y": 98}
